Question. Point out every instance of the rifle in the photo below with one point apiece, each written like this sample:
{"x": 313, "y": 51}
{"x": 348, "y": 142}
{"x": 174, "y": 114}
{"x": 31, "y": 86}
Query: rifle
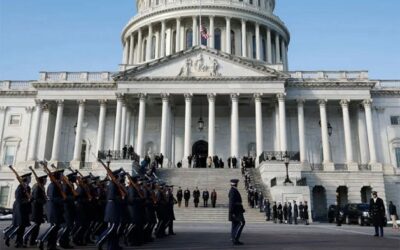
{"x": 53, "y": 179}
{"x": 82, "y": 184}
{"x": 37, "y": 179}
{"x": 134, "y": 185}
{"x": 21, "y": 181}
{"x": 121, "y": 189}
{"x": 67, "y": 182}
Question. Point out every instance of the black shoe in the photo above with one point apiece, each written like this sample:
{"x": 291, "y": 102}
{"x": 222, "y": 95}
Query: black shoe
{"x": 7, "y": 242}
{"x": 237, "y": 243}
{"x": 376, "y": 235}
{"x": 172, "y": 233}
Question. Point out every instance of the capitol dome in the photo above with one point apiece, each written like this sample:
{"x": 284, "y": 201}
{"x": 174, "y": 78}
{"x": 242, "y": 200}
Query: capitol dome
{"x": 244, "y": 28}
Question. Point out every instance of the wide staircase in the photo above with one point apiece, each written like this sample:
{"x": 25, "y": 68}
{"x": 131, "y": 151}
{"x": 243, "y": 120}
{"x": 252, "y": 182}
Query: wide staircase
{"x": 218, "y": 179}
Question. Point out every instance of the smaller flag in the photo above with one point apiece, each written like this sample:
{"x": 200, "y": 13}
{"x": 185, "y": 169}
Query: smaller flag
{"x": 204, "y": 33}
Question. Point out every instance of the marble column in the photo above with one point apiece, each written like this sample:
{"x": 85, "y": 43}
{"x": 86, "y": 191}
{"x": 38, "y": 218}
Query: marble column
{"x": 28, "y": 123}
{"x": 141, "y": 125}
{"x": 259, "y": 124}
{"x": 211, "y": 124}
{"x": 128, "y": 127}
{"x": 283, "y": 49}
{"x": 35, "y": 131}
{"x": 362, "y": 136}
{"x": 177, "y": 35}
{"x": 126, "y": 52}
{"x": 195, "y": 39}
{"x": 324, "y": 132}
{"x": 347, "y": 131}
{"x": 78, "y": 136}
{"x": 235, "y": 126}
{"x": 117, "y": 129}
{"x": 277, "y": 144}
{"x": 188, "y": 126}
{"x": 228, "y": 35}
{"x": 269, "y": 46}
{"x": 57, "y": 131}
{"x": 302, "y": 135}
{"x": 244, "y": 39}
{"x": 149, "y": 47}
{"x": 123, "y": 126}
{"x": 277, "y": 49}
{"x": 102, "y": 125}
{"x": 3, "y": 112}
{"x": 139, "y": 47}
{"x": 370, "y": 131}
{"x": 164, "y": 120}
{"x": 282, "y": 122}
{"x": 211, "y": 32}
{"x": 157, "y": 45}
{"x": 132, "y": 49}
{"x": 258, "y": 45}
{"x": 162, "y": 44}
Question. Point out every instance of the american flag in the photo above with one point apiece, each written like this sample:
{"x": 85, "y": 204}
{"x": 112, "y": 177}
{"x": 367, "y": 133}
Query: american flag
{"x": 204, "y": 33}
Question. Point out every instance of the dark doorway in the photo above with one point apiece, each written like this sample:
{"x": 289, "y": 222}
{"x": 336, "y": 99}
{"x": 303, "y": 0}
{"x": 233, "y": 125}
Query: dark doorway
{"x": 319, "y": 203}
{"x": 200, "y": 153}
{"x": 343, "y": 196}
{"x": 366, "y": 194}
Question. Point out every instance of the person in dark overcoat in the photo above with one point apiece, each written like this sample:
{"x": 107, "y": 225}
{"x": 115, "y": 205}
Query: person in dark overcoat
{"x": 186, "y": 196}
{"x": 377, "y": 213}
{"x": 171, "y": 201}
{"x": 37, "y": 216}
{"x": 179, "y": 196}
{"x": 280, "y": 213}
{"x": 21, "y": 211}
{"x": 275, "y": 212}
{"x": 196, "y": 197}
{"x": 289, "y": 213}
{"x": 213, "y": 198}
{"x": 236, "y": 212}
{"x": 285, "y": 212}
{"x": 295, "y": 212}
{"x": 267, "y": 209}
{"x": 55, "y": 212}
{"x": 234, "y": 162}
{"x": 305, "y": 213}
{"x": 206, "y": 196}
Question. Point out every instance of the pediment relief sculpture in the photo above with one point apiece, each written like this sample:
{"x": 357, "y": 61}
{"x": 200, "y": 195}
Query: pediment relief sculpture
{"x": 200, "y": 67}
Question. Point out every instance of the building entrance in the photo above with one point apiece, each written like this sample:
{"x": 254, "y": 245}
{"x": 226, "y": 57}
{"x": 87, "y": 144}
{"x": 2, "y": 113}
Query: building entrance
{"x": 199, "y": 153}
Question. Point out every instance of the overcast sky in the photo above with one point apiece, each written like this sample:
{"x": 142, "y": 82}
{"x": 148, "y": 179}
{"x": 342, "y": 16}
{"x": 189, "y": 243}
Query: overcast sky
{"x": 84, "y": 35}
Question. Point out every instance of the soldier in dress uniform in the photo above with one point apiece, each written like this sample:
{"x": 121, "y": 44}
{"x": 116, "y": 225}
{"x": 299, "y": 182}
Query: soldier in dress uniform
{"x": 186, "y": 196}
{"x": 295, "y": 212}
{"x": 112, "y": 215}
{"x": 236, "y": 211}
{"x": 69, "y": 212}
{"x": 171, "y": 201}
{"x": 150, "y": 211}
{"x": 179, "y": 196}
{"x": 206, "y": 196}
{"x": 21, "y": 211}
{"x": 213, "y": 198}
{"x": 196, "y": 197}
{"x": 55, "y": 212}
{"x": 136, "y": 209}
{"x": 83, "y": 212}
{"x": 37, "y": 217}
{"x": 161, "y": 210}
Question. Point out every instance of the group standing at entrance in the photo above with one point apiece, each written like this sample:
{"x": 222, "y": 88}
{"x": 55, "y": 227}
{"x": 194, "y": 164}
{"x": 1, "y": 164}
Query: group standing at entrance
{"x": 205, "y": 196}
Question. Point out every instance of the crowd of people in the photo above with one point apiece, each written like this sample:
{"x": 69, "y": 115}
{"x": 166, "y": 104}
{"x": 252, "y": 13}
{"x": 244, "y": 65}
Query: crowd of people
{"x": 185, "y": 195}
{"x": 84, "y": 210}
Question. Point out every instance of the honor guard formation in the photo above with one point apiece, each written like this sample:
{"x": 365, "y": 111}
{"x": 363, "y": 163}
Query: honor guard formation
{"x": 86, "y": 210}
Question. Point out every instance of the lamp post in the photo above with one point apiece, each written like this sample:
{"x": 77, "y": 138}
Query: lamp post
{"x": 286, "y": 159}
{"x": 109, "y": 157}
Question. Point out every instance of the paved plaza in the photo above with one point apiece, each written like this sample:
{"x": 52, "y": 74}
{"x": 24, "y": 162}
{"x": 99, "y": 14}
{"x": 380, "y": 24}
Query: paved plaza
{"x": 270, "y": 236}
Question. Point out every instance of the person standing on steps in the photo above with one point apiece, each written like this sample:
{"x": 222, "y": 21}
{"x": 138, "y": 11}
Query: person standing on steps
{"x": 289, "y": 213}
{"x": 267, "y": 209}
{"x": 186, "y": 196}
{"x": 179, "y": 195}
{"x": 196, "y": 197}
{"x": 275, "y": 212}
{"x": 305, "y": 212}
{"x": 213, "y": 198}
{"x": 206, "y": 196}
{"x": 234, "y": 162}
{"x": 236, "y": 212}
{"x": 295, "y": 212}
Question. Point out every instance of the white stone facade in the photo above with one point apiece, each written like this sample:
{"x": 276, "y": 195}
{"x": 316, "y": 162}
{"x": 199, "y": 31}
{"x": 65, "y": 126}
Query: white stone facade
{"x": 249, "y": 102}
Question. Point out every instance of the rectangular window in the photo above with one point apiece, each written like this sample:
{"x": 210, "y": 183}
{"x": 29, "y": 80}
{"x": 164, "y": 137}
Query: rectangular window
{"x": 4, "y": 190}
{"x": 397, "y": 152}
{"x": 9, "y": 155}
{"x": 395, "y": 120}
{"x": 15, "y": 120}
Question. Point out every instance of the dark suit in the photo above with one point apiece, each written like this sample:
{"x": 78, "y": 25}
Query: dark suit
{"x": 236, "y": 212}
{"x": 179, "y": 196}
{"x": 186, "y": 196}
{"x": 206, "y": 196}
{"x": 377, "y": 212}
{"x": 295, "y": 213}
{"x": 196, "y": 197}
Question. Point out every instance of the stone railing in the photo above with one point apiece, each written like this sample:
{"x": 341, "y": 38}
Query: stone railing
{"x": 387, "y": 84}
{"x": 76, "y": 76}
{"x": 16, "y": 85}
{"x": 330, "y": 75}
{"x": 278, "y": 156}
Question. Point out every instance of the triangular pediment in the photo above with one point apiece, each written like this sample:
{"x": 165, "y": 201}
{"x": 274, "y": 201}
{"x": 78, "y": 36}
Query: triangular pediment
{"x": 203, "y": 63}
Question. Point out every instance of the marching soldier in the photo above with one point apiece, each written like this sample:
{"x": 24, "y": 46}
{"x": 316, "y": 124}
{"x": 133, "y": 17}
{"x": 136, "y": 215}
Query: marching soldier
{"x": 69, "y": 212}
{"x": 179, "y": 196}
{"x": 196, "y": 197}
{"x": 161, "y": 211}
{"x": 151, "y": 202}
{"x": 83, "y": 212}
{"x": 21, "y": 210}
{"x": 186, "y": 196}
{"x": 206, "y": 196}
{"x": 136, "y": 211}
{"x": 213, "y": 198}
{"x": 236, "y": 211}
{"x": 171, "y": 201}
{"x": 38, "y": 201}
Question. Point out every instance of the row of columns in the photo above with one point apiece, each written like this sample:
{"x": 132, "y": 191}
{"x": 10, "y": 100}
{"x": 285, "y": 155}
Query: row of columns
{"x": 122, "y": 127}
{"x": 130, "y": 57}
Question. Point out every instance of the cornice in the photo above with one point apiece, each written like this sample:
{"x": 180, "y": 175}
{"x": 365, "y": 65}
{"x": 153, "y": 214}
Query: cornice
{"x": 385, "y": 92}
{"x": 207, "y": 79}
{"x": 16, "y": 93}
{"x": 310, "y": 84}
{"x": 74, "y": 85}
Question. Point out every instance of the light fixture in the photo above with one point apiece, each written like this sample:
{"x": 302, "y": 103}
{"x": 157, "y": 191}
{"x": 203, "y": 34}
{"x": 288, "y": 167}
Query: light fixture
{"x": 200, "y": 122}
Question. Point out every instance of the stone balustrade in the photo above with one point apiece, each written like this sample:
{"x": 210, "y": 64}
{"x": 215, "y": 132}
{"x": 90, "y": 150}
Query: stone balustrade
{"x": 387, "y": 84}
{"x": 76, "y": 76}
{"x": 15, "y": 85}
{"x": 330, "y": 75}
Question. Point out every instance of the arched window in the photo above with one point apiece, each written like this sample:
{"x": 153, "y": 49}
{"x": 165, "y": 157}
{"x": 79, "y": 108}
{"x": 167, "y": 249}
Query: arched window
{"x": 254, "y": 47}
{"x": 233, "y": 46}
{"x": 217, "y": 39}
{"x": 189, "y": 38}
{"x": 264, "y": 50}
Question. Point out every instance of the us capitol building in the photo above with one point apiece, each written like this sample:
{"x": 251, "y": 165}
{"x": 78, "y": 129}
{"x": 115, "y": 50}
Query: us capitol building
{"x": 212, "y": 80}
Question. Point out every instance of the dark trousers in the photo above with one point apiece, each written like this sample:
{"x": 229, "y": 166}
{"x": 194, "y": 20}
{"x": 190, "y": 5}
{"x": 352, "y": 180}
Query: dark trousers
{"x": 186, "y": 203}
{"x": 171, "y": 227}
{"x": 205, "y": 203}
{"x": 110, "y": 236}
{"x": 237, "y": 228}
{"x": 63, "y": 237}
{"x": 213, "y": 203}
{"x": 31, "y": 234}
{"x": 379, "y": 230}
{"x": 179, "y": 203}
{"x": 20, "y": 236}
{"x": 196, "y": 204}
{"x": 295, "y": 220}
